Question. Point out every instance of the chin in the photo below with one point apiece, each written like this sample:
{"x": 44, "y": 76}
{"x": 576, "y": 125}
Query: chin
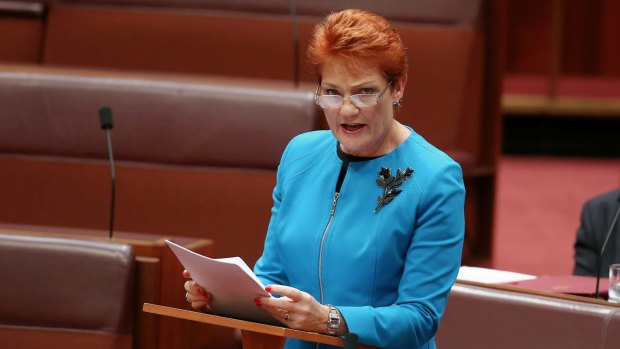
{"x": 352, "y": 149}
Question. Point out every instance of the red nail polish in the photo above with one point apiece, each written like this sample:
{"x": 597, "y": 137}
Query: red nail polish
{"x": 268, "y": 288}
{"x": 257, "y": 300}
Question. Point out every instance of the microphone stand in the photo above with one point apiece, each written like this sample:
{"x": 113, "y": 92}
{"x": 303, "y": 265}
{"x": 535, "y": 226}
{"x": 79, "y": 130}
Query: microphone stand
{"x": 113, "y": 174}
{"x": 105, "y": 118}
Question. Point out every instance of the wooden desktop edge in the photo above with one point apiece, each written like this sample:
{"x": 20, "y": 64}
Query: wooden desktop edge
{"x": 243, "y": 325}
{"x": 524, "y": 290}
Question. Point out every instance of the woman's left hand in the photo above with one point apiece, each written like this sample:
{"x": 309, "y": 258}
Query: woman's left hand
{"x": 296, "y": 309}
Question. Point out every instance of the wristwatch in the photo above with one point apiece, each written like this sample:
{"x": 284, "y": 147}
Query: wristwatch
{"x": 333, "y": 321}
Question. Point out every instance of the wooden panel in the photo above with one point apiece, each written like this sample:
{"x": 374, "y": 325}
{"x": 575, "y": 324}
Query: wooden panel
{"x": 28, "y": 338}
{"x": 170, "y": 41}
{"x": 146, "y": 326}
{"x": 21, "y": 39}
{"x": 610, "y": 45}
{"x": 589, "y": 46}
{"x": 168, "y": 201}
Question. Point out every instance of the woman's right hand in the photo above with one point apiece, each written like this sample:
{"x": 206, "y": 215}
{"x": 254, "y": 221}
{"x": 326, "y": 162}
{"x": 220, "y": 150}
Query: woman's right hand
{"x": 197, "y": 296}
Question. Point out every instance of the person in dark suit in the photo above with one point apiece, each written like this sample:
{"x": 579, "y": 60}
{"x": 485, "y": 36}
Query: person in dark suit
{"x": 596, "y": 218}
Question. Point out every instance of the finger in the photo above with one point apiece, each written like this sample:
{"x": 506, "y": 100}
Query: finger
{"x": 201, "y": 305}
{"x": 275, "y": 312}
{"x": 188, "y": 285}
{"x": 186, "y": 274}
{"x": 199, "y": 301}
{"x": 294, "y": 294}
{"x": 192, "y": 297}
{"x": 276, "y": 305}
{"x": 192, "y": 287}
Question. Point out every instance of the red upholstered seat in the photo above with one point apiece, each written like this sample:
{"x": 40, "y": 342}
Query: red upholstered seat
{"x": 62, "y": 293}
{"x": 487, "y": 317}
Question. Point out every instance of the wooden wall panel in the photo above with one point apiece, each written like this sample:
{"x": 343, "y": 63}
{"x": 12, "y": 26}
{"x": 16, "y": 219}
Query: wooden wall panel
{"x": 589, "y": 45}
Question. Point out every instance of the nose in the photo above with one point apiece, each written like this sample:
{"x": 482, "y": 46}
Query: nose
{"x": 348, "y": 108}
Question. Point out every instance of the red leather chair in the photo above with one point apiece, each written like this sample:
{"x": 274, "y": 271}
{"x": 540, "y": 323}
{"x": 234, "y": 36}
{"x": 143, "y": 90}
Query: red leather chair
{"x": 63, "y": 293}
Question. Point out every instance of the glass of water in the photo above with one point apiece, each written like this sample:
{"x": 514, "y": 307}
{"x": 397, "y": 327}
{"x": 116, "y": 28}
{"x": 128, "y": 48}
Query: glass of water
{"x": 614, "y": 283}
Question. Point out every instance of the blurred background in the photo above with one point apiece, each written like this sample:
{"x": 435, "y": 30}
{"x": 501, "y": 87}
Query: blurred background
{"x": 506, "y": 88}
{"x": 205, "y": 94}
{"x": 561, "y": 128}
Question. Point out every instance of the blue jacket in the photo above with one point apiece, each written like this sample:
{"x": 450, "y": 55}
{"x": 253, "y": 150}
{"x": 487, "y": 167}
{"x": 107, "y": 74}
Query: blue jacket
{"x": 389, "y": 271}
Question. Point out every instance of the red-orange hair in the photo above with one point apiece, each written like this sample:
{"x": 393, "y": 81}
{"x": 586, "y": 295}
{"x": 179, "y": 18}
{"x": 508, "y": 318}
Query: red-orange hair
{"x": 358, "y": 35}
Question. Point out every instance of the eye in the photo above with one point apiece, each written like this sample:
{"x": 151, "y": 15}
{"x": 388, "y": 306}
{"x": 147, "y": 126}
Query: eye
{"x": 331, "y": 92}
{"x": 367, "y": 91}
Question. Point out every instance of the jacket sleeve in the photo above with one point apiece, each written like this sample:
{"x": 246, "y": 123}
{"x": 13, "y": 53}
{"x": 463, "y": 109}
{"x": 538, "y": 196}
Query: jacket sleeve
{"x": 431, "y": 266}
{"x": 269, "y": 268}
{"x": 586, "y": 245}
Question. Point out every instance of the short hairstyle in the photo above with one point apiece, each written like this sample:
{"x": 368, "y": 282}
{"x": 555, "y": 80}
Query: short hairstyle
{"x": 358, "y": 35}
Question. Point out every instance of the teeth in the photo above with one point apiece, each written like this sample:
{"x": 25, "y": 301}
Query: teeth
{"x": 352, "y": 126}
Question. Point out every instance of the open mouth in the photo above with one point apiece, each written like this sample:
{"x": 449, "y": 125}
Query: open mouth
{"x": 352, "y": 127}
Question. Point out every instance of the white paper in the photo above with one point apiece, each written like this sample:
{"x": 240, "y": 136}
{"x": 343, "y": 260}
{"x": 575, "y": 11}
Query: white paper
{"x": 232, "y": 283}
{"x": 490, "y": 276}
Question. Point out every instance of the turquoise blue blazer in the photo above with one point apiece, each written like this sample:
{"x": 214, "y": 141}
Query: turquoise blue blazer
{"x": 387, "y": 267}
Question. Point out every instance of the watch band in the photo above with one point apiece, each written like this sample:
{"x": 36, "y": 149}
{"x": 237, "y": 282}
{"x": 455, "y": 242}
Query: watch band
{"x": 333, "y": 320}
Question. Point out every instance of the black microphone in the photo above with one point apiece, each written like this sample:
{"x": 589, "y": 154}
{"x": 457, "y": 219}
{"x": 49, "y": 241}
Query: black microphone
{"x": 600, "y": 256}
{"x": 105, "y": 119}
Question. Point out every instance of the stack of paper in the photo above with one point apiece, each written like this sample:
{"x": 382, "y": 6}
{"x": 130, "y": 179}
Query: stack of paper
{"x": 231, "y": 282}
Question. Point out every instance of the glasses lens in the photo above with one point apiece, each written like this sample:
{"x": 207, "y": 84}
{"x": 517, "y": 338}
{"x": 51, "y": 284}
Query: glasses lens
{"x": 330, "y": 101}
{"x": 364, "y": 100}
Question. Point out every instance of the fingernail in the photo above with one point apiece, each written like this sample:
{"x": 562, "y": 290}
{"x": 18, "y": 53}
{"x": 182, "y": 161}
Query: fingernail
{"x": 257, "y": 300}
{"x": 268, "y": 288}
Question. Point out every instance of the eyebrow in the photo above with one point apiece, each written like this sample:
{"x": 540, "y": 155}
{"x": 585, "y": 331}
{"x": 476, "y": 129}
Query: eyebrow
{"x": 354, "y": 86}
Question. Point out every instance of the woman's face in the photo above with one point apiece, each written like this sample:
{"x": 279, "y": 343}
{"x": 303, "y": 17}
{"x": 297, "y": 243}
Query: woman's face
{"x": 361, "y": 131}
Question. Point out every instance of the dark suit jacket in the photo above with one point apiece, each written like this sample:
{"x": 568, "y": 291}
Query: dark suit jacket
{"x": 596, "y": 218}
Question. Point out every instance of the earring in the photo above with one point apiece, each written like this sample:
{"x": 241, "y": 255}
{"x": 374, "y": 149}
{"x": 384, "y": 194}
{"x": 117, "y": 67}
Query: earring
{"x": 398, "y": 102}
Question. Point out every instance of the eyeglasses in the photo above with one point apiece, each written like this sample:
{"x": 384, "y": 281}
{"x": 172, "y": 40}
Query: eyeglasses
{"x": 361, "y": 100}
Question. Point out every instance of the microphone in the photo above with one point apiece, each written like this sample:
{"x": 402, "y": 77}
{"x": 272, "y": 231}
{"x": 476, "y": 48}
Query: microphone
{"x": 105, "y": 120}
{"x": 600, "y": 256}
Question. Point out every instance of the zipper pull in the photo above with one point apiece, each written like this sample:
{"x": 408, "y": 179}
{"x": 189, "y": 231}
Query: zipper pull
{"x": 336, "y": 195}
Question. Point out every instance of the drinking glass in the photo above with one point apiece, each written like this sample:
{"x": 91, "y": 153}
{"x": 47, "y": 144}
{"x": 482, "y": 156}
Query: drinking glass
{"x": 614, "y": 283}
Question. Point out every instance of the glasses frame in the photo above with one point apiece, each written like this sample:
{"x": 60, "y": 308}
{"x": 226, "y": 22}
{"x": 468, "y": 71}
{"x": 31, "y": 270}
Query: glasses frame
{"x": 351, "y": 98}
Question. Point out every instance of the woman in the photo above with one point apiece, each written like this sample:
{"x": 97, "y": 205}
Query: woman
{"x": 367, "y": 224}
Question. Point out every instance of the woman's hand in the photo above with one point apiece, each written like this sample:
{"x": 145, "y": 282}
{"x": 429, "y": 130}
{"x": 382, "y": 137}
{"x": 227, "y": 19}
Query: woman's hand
{"x": 197, "y": 296}
{"x": 296, "y": 309}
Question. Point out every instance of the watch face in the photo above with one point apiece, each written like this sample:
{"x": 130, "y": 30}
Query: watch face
{"x": 334, "y": 318}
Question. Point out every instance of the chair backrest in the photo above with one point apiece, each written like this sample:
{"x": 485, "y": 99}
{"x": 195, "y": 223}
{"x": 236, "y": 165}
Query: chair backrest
{"x": 193, "y": 155}
{"x": 64, "y": 293}
{"x": 231, "y": 38}
{"x": 489, "y": 317}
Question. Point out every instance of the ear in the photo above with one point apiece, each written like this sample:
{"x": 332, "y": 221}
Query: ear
{"x": 399, "y": 87}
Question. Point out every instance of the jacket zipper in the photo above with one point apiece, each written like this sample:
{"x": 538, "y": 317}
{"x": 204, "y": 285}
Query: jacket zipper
{"x": 329, "y": 223}
{"x": 341, "y": 175}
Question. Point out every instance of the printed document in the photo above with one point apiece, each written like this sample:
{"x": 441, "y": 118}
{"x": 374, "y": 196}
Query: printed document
{"x": 231, "y": 282}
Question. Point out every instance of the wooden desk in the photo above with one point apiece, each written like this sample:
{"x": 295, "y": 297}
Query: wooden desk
{"x": 255, "y": 335}
{"x": 158, "y": 267}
